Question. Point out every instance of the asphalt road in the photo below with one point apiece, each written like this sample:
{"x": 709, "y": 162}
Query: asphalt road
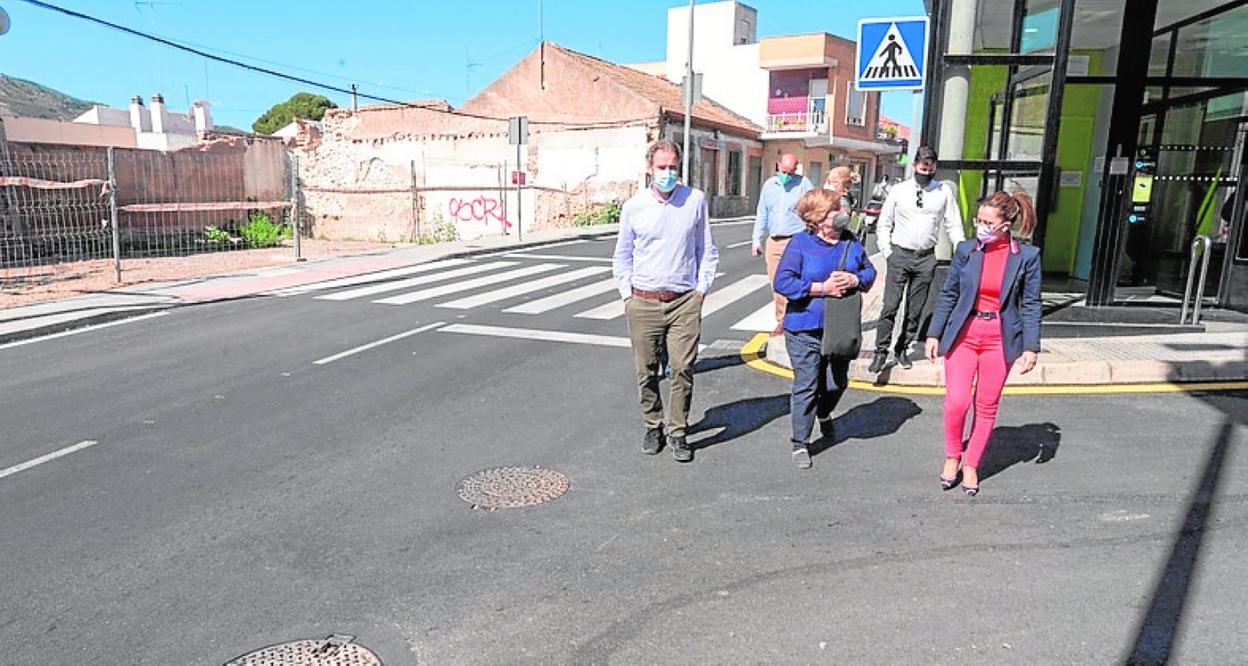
{"x": 240, "y": 494}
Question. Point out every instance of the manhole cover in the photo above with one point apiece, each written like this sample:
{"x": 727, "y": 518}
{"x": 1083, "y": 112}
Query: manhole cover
{"x": 337, "y": 650}
{"x": 511, "y": 487}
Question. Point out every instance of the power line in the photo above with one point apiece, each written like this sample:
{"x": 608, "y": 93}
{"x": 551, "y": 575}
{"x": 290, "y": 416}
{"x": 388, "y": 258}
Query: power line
{"x": 298, "y": 79}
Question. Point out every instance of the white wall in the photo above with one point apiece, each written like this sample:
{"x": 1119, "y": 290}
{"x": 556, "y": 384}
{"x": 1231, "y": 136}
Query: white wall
{"x": 730, "y": 73}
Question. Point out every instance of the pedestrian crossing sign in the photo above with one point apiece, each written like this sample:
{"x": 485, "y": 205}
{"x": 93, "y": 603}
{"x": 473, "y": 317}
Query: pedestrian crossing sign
{"x": 892, "y": 54}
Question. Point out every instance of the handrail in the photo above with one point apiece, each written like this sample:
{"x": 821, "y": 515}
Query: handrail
{"x": 1203, "y": 243}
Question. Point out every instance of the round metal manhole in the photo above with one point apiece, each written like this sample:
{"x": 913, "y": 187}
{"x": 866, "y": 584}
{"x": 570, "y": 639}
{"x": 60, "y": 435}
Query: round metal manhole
{"x": 512, "y": 487}
{"x": 336, "y": 650}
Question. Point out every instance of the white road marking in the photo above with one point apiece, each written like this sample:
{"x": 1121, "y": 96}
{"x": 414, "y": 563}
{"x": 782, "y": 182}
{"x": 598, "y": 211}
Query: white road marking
{"x": 737, "y": 245}
{"x": 513, "y": 250}
{"x": 762, "y": 319}
{"x": 367, "y": 278}
{"x": 45, "y": 458}
{"x": 604, "y": 312}
{"x": 456, "y": 287}
{"x": 415, "y": 281}
{"x": 561, "y": 299}
{"x": 400, "y": 336}
{"x": 557, "y": 257}
{"x": 496, "y": 295}
{"x": 84, "y": 329}
{"x": 719, "y": 299}
{"x": 535, "y": 334}
{"x": 546, "y": 336}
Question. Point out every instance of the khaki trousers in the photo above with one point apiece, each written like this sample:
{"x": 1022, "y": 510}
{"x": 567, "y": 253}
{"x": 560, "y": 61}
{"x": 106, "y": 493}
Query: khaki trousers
{"x": 679, "y": 323}
{"x": 772, "y": 252}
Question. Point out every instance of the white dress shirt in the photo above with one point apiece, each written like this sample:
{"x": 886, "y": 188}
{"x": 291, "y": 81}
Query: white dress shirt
{"x": 665, "y": 244}
{"x": 905, "y": 224}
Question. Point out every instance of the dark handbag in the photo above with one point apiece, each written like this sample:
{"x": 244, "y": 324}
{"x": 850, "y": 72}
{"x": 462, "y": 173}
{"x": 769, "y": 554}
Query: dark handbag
{"x": 842, "y": 320}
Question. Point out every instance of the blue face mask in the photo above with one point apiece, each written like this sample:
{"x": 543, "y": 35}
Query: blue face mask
{"x": 665, "y": 180}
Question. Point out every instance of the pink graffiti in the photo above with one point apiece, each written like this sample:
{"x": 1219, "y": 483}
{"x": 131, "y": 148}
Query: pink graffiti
{"x": 482, "y": 209}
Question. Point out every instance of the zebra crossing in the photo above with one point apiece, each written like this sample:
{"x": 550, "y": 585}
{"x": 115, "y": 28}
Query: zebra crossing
{"x": 528, "y": 285}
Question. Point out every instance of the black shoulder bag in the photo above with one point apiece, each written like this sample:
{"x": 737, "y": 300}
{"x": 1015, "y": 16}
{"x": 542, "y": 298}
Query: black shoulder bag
{"x": 842, "y": 319}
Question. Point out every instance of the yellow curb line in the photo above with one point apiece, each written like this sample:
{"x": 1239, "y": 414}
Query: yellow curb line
{"x": 750, "y": 354}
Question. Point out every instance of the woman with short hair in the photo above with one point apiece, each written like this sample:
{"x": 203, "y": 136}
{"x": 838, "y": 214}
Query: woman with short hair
{"x": 826, "y": 260}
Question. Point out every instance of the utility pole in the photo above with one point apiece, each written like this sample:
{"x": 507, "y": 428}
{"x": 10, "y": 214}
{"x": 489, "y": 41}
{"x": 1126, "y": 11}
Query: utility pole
{"x": 355, "y": 102}
{"x": 684, "y": 167}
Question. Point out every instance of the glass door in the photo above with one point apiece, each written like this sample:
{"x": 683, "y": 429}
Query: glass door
{"x": 1185, "y": 173}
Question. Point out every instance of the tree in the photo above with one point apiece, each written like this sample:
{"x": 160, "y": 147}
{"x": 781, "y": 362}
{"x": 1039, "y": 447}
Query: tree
{"x": 302, "y": 105}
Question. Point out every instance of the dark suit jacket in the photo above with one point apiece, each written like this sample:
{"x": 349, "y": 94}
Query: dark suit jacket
{"x": 1020, "y": 299}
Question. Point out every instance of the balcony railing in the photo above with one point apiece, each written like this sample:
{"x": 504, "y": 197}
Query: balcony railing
{"x": 807, "y": 122}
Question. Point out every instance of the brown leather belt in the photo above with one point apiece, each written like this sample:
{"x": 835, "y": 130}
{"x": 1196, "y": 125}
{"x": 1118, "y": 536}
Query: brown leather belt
{"x": 660, "y": 296}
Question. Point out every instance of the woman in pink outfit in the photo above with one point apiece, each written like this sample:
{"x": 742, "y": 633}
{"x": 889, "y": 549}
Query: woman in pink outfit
{"x": 986, "y": 319}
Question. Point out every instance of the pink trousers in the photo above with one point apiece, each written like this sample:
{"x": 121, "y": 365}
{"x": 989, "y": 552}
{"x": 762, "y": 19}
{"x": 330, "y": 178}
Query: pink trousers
{"x": 975, "y": 369}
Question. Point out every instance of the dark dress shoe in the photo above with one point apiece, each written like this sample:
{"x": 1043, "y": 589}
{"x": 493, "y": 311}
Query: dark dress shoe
{"x": 681, "y": 450}
{"x": 903, "y": 359}
{"x": 877, "y": 363}
{"x": 653, "y": 442}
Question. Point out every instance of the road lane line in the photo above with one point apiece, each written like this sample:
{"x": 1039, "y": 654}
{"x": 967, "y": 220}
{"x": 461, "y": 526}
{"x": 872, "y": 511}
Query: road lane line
{"x": 719, "y": 299}
{"x": 536, "y": 334}
{"x": 557, "y": 257}
{"x": 84, "y": 329}
{"x": 45, "y": 458}
{"x": 564, "y": 298}
{"x": 495, "y": 295}
{"x": 400, "y": 336}
{"x": 456, "y": 287}
{"x": 414, "y": 281}
{"x": 611, "y": 310}
{"x": 367, "y": 277}
{"x": 737, "y": 245}
{"x": 545, "y": 336}
{"x": 762, "y": 319}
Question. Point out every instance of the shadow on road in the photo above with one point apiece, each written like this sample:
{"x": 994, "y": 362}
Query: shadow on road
{"x": 738, "y": 418}
{"x": 713, "y": 363}
{"x": 879, "y": 418}
{"x": 1159, "y": 628}
{"x": 1013, "y": 445}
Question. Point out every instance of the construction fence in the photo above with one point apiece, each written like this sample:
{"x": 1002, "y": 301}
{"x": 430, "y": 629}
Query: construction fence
{"x": 67, "y": 209}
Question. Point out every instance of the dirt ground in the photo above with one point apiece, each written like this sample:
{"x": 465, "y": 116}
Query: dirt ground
{"x": 24, "y": 286}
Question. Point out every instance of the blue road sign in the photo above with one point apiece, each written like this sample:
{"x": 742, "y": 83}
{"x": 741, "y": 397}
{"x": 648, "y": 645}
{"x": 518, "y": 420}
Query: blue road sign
{"x": 892, "y": 54}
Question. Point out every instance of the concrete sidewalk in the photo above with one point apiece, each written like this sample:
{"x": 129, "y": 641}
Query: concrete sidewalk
{"x": 29, "y": 321}
{"x": 1218, "y": 355}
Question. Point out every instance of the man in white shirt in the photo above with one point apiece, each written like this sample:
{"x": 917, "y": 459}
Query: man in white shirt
{"x": 907, "y": 233}
{"x": 664, "y": 263}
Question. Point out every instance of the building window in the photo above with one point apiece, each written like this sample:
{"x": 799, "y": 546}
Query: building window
{"x": 855, "y": 106}
{"x": 734, "y": 173}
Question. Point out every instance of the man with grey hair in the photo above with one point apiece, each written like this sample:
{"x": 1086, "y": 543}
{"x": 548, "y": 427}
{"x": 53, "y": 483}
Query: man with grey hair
{"x": 664, "y": 264}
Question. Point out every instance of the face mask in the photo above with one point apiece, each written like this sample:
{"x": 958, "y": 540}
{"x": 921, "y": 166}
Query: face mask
{"x": 986, "y": 234}
{"x": 840, "y": 221}
{"x": 923, "y": 179}
{"x": 665, "y": 180}
{"x": 785, "y": 178}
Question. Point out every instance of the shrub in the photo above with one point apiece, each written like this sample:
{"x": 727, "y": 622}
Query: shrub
{"x": 260, "y": 231}
{"x": 444, "y": 231}
{"x": 608, "y": 214}
{"x": 214, "y": 235}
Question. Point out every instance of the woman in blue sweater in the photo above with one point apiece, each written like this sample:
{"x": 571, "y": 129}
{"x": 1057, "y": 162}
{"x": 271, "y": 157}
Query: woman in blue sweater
{"x": 807, "y": 272}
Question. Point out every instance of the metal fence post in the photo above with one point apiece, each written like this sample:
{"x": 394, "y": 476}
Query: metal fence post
{"x": 112, "y": 214}
{"x": 415, "y": 202}
{"x": 295, "y": 217}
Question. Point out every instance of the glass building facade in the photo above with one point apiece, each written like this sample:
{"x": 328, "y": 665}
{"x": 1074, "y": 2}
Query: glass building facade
{"x": 1125, "y": 119}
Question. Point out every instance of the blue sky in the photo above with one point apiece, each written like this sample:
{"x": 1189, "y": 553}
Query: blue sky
{"x": 397, "y": 49}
